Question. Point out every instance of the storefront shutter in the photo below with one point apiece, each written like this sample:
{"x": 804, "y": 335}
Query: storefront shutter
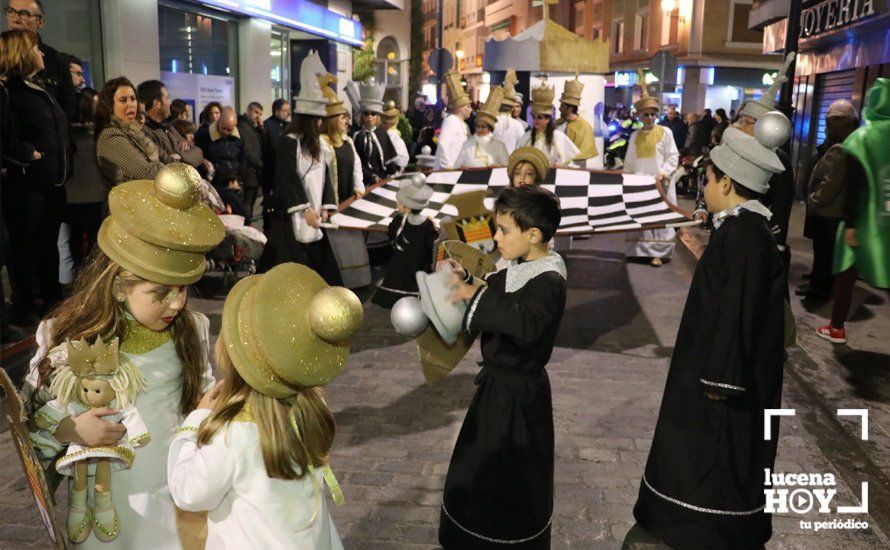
{"x": 833, "y": 86}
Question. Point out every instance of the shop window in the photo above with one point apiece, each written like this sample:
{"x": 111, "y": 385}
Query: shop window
{"x": 196, "y": 43}
{"x": 280, "y": 57}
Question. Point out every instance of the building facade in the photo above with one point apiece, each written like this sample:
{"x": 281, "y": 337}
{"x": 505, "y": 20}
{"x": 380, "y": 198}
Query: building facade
{"x": 842, "y": 49}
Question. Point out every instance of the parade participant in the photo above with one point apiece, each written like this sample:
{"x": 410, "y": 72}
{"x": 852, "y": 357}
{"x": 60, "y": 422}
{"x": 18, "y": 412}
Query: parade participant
{"x": 863, "y": 245}
{"x": 413, "y": 238}
{"x": 507, "y": 435}
{"x": 303, "y": 194}
{"x": 345, "y": 169}
{"x": 254, "y": 454}
{"x": 483, "y": 149}
{"x": 425, "y": 160}
{"x": 703, "y": 482}
{"x": 652, "y": 151}
{"x": 134, "y": 287}
{"x": 518, "y": 111}
{"x": 372, "y": 142}
{"x": 527, "y": 166}
{"x": 454, "y": 129}
{"x": 390, "y": 117}
{"x": 508, "y": 129}
{"x": 573, "y": 124}
{"x": 780, "y": 197}
{"x": 555, "y": 144}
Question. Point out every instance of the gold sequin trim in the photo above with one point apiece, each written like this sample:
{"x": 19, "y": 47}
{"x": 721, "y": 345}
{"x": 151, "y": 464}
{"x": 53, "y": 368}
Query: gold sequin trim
{"x": 183, "y": 429}
{"x": 244, "y": 415}
{"x": 120, "y": 452}
{"x": 141, "y": 339}
{"x": 140, "y": 439}
{"x": 110, "y": 534}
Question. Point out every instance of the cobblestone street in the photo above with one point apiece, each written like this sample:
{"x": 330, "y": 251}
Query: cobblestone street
{"x": 395, "y": 433}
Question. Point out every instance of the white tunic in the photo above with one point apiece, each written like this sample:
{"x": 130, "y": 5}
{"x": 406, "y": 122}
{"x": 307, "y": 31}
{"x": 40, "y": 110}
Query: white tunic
{"x": 312, "y": 174}
{"x": 140, "y": 494}
{"x": 509, "y": 130}
{"x": 481, "y": 153}
{"x": 653, "y": 243}
{"x": 561, "y": 152}
{"x": 247, "y": 508}
{"x": 451, "y": 138}
{"x": 398, "y": 143}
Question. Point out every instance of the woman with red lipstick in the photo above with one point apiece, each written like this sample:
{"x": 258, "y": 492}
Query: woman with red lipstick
{"x": 134, "y": 287}
{"x": 123, "y": 151}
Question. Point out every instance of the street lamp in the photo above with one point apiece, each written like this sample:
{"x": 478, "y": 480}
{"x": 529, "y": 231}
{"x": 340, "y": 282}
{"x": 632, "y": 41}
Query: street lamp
{"x": 459, "y": 54}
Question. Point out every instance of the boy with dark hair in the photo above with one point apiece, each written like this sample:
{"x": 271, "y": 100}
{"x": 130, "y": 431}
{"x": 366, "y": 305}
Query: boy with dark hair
{"x": 499, "y": 488}
{"x": 703, "y": 483}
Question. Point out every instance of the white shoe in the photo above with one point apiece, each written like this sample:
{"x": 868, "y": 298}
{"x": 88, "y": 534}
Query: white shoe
{"x": 80, "y": 520}
{"x": 105, "y": 517}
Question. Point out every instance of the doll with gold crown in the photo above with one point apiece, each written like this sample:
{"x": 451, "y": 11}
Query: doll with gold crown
{"x": 89, "y": 377}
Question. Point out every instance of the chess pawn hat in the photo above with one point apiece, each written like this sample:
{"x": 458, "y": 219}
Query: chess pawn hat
{"x": 390, "y": 111}
{"x": 414, "y": 192}
{"x": 160, "y": 230}
{"x": 410, "y": 316}
{"x": 371, "y": 96}
{"x": 767, "y": 102}
{"x": 311, "y": 100}
{"x": 489, "y": 111}
{"x": 334, "y": 106}
{"x": 542, "y": 99}
{"x": 509, "y": 86}
{"x": 752, "y": 161}
{"x": 425, "y": 159}
{"x": 287, "y": 329}
{"x": 457, "y": 96}
{"x": 645, "y": 101}
{"x": 571, "y": 92}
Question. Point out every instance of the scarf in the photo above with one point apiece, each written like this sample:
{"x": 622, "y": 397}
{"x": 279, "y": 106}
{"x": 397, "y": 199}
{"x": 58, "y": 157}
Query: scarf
{"x": 142, "y": 142}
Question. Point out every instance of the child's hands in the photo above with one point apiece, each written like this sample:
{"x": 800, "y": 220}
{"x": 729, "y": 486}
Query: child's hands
{"x": 461, "y": 290}
{"x": 715, "y": 396}
{"x": 311, "y": 217}
{"x": 88, "y": 429}
{"x": 455, "y": 267}
{"x": 209, "y": 398}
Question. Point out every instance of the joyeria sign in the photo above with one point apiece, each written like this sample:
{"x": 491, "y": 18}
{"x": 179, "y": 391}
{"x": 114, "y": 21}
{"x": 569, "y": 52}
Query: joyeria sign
{"x": 802, "y": 493}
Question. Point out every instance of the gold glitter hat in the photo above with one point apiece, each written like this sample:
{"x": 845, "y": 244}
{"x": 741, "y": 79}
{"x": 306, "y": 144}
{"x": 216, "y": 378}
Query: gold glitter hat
{"x": 488, "y": 112}
{"x": 334, "y": 106}
{"x": 646, "y": 101}
{"x": 287, "y": 329}
{"x": 509, "y": 87}
{"x": 457, "y": 96}
{"x": 390, "y": 111}
{"x": 160, "y": 230}
{"x": 533, "y": 156}
{"x": 542, "y": 99}
{"x": 571, "y": 92}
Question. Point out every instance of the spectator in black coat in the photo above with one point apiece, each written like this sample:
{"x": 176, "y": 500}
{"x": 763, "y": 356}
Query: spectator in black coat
{"x": 250, "y": 126}
{"x": 273, "y": 130}
{"x": 222, "y": 145}
{"x": 36, "y": 161}
{"x": 674, "y": 121}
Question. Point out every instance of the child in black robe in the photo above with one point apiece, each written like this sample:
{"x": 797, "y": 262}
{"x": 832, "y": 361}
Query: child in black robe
{"x": 703, "y": 484}
{"x": 499, "y": 488}
{"x": 413, "y": 238}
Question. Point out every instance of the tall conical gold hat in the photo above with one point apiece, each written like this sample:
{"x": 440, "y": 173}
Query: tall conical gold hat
{"x": 457, "y": 96}
{"x": 542, "y": 99}
{"x": 645, "y": 101}
{"x": 489, "y": 111}
{"x": 509, "y": 86}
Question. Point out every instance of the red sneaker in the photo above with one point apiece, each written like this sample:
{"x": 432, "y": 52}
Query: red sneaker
{"x": 833, "y": 335}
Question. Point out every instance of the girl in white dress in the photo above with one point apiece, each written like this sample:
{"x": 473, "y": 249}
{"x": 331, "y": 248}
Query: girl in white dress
{"x": 134, "y": 287}
{"x": 484, "y": 150}
{"x": 543, "y": 135}
{"x": 255, "y": 452}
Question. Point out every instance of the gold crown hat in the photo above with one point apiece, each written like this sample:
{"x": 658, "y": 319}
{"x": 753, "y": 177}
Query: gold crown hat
{"x": 334, "y": 106}
{"x": 509, "y": 86}
{"x": 390, "y": 111}
{"x": 160, "y": 230}
{"x": 488, "y": 112}
{"x": 756, "y": 108}
{"x": 542, "y": 99}
{"x": 532, "y": 155}
{"x": 457, "y": 96}
{"x": 99, "y": 359}
{"x": 571, "y": 92}
{"x": 287, "y": 329}
{"x": 645, "y": 101}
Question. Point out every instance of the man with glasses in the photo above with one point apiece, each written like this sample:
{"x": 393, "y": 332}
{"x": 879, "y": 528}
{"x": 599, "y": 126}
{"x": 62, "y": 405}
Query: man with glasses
{"x": 652, "y": 151}
{"x": 27, "y": 15}
{"x": 372, "y": 143}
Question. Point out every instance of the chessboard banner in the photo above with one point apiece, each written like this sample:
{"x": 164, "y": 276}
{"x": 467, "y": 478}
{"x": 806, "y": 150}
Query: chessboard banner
{"x": 593, "y": 201}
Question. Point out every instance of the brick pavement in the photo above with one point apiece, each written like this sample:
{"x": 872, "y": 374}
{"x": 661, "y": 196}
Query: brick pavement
{"x": 395, "y": 434}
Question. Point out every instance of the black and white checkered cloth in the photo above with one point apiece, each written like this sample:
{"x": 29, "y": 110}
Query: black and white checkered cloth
{"x": 592, "y": 201}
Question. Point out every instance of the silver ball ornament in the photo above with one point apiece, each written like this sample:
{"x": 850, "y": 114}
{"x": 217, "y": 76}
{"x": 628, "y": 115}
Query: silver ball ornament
{"x": 772, "y": 129}
{"x": 407, "y": 317}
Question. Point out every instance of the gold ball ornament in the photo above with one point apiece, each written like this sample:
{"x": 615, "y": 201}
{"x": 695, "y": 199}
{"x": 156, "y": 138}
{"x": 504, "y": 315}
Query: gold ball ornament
{"x": 335, "y": 313}
{"x": 178, "y": 185}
